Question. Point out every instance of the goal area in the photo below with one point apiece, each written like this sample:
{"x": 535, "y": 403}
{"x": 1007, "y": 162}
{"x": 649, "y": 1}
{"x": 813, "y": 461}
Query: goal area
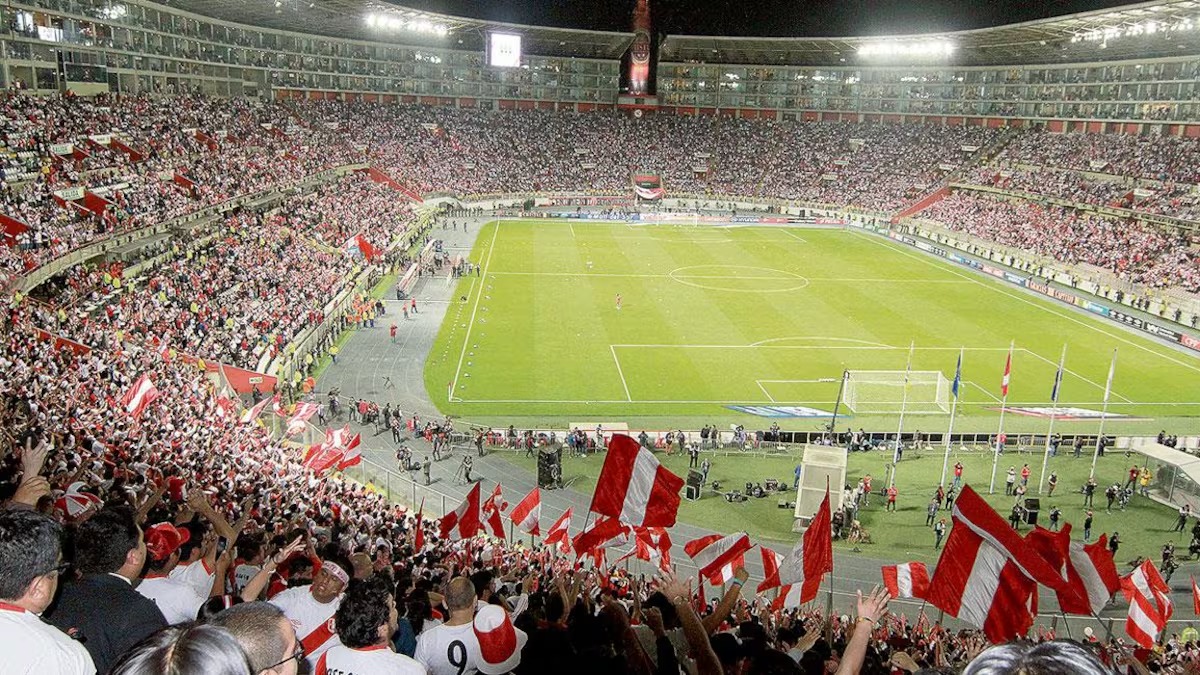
{"x": 884, "y": 391}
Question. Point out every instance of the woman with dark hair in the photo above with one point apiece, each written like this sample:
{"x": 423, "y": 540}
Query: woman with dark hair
{"x": 215, "y": 605}
{"x": 417, "y": 613}
{"x": 186, "y": 650}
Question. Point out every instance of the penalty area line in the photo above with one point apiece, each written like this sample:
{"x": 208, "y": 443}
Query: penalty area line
{"x": 620, "y": 373}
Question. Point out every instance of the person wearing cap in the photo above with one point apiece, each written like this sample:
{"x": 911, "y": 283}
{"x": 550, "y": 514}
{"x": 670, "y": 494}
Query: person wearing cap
{"x": 366, "y": 621}
{"x": 30, "y": 563}
{"x": 177, "y": 599}
{"x": 103, "y": 610}
{"x": 452, "y": 648}
{"x": 310, "y": 608}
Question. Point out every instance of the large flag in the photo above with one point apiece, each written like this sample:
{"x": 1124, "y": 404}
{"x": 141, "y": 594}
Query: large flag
{"x": 1149, "y": 604}
{"x": 419, "y": 535}
{"x": 634, "y": 488}
{"x": 957, "y": 377}
{"x": 1090, "y": 573}
{"x": 251, "y": 414}
{"x": 803, "y": 568}
{"x": 987, "y": 574}
{"x": 492, "y": 509}
{"x": 140, "y": 395}
{"x": 526, "y": 513}
{"x": 653, "y": 544}
{"x": 463, "y": 522}
{"x": 321, "y": 457}
{"x": 1007, "y": 375}
{"x": 908, "y": 580}
{"x": 1195, "y": 597}
{"x": 718, "y": 556}
{"x": 558, "y": 532}
{"x": 771, "y": 562}
{"x": 303, "y": 412}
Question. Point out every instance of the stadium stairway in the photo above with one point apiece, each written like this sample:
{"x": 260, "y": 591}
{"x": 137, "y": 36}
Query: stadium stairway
{"x": 134, "y": 155}
{"x": 381, "y": 177}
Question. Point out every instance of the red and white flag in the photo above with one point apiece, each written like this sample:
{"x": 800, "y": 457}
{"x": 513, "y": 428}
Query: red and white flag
{"x": 771, "y": 562}
{"x": 1007, "y": 375}
{"x": 1149, "y": 604}
{"x": 348, "y": 443}
{"x": 139, "y": 396}
{"x": 277, "y": 404}
{"x": 303, "y": 412}
{"x": 526, "y": 513}
{"x": 634, "y": 488}
{"x": 419, "y": 524}
{"x": 810, "y": 559}
{"x": 604, "y": 533}
{"x": 492, "y": 508}
{"x": 251, "y": 414}
{"x": 1090, "y": 573}
{"x": 164, "y": 351}
{"x": 463, "y": 522}
{"x": 909, "y": 580}
{"x": 653, "y": 544}
{"x": 1195, "y": 597}
{"x": 558, "y": 532}
{"x": 714, "y": 553}
{"x": 321, "y": 457}
{"x": 987, "y": 574}
{"x": 224, "y": 409}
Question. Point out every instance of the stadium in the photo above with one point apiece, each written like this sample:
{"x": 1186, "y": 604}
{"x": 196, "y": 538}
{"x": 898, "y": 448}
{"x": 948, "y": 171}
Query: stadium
{"x": 335, "y": 327}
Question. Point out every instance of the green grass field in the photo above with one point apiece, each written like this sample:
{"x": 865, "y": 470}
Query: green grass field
{"x": 902, "y": 535}
{"x": 713, "y": 317}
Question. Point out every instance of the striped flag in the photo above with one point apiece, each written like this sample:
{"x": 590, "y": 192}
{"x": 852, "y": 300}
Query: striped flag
{"x": 140, "y": 395}
{"x": 526, "y": 513}
{"x": 1195, "y": 597}
{"x": 718, "y": 556}
{"x": 909, "y": 580}
{"x": 957, "y": 376}
{"x": 1007, "y": 375}
{"x": 1149, "y": 604}
{"x": 634, "y": 487}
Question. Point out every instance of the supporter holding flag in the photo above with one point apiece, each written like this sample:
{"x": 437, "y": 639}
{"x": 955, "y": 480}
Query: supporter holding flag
{"x": 801, "y": 571}
{"x": 1150, "y": 604}
{"x": 907, "y": 580}
{"x": 634, "y": 488}
{"x": 526, "y": 513}
{"x": 140, "y": 396}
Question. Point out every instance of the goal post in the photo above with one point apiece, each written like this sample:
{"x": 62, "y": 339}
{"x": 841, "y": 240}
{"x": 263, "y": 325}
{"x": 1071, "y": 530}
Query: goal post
{"x": 883, "y": 392}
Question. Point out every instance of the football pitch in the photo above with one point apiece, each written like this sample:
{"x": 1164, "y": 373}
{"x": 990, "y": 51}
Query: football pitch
{"x": 731, "y": 324}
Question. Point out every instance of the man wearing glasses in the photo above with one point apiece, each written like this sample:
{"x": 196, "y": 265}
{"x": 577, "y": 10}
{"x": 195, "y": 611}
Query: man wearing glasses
{"x": 30, "y": 562}
{"x": 266, "y": 635}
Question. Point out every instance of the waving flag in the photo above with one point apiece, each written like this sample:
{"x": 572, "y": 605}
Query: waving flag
{"x": 718, "y": 556}
{"x": 1007, "y": 375}
{"x": 491, "y": 510}
{"x": 251, "y": 414}
{"x": 419, "y": 528}
{"x": 957, "y": 376}
{"x": 139, "y": 396}
{"x": 909, "y": 580}
{"x": 1149, "y": 604}
{"x": 604, "y": 533}
{"x": 634, "y": 488}
{"x": 771, "y": 562}
{"x": 1089, "y": 570}
{"x": 558, "y": 532}
{"x": 303, "y": 412}
{"x": 463, "y": 522}
{"x": 806, "y": 564}
{"x": 526, "y": 513}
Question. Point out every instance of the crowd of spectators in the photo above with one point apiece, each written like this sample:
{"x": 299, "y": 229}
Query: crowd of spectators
{"x": 1164, "y": 158}
{"x": 1136, "y": 252}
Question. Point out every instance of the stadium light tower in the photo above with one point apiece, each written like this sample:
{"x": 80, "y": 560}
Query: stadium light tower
{"x": 639, "y": 56}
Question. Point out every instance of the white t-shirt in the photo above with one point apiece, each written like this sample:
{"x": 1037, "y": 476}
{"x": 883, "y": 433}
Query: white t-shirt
{"x": 342, "y": 660}
{"x": 448, "y": 650}
{"x": 32, "y": 647}
{"x": 197, "y": 575}
{"x": 242, "y": 576}
{"x": 312, "y": 620}
{"x": 177, "y": 600}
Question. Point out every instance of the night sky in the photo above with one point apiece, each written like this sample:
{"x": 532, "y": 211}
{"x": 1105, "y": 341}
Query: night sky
{"x": 810, "y": 18}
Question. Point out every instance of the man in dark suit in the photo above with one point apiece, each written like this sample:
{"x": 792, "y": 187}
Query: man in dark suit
{"x": 102, "y": 609}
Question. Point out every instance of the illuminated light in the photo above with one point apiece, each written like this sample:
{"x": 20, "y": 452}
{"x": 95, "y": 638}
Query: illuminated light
{"x": 396, "y": 23}
{"x": 925, "y": 48}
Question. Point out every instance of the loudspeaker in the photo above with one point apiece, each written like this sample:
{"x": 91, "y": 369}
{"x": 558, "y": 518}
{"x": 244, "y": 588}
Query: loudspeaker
{"x": 1031, "y": 517}
{"x": 1033, "y": 503}
{"x": 691, "y": 492}
{"x": 695, "y": 478}
{"x": 550, "y": 468}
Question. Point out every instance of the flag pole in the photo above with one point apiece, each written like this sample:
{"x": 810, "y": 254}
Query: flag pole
{"x": 1103, "y": 413}
{"x": 953, "y": 411}
{"x": 903, "y": 404}
{"x": 1058, "y": 375}
{"x": 1003, "y": 407}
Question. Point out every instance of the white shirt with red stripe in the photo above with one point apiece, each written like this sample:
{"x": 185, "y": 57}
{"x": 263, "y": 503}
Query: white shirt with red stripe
{"x": 312, "y": 620}
{"x": 377, "y": 660}
{"x": 32, "y": 647}
{"x": 178, "y": 601}
{"x": 198, "y": 575}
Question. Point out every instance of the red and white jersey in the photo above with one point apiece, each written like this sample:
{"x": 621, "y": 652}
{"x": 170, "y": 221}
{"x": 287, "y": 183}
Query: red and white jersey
{"x": 378, "y": 660}
{"x": 312, "y": 620}
{"x": 198, "y": 575}
{"x": 177, "y": 601}
{"x": 449, "y": 650}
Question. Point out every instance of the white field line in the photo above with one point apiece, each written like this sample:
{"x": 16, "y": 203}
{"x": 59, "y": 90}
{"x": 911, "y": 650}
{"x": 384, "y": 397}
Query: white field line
{"x": 620, "y": 373}
{"x": 471, "y": 325}
{"x": 724, "y": 401}
{"x": 725, "y": 277}
{"x": 764, "y": 390}
{"x": 1016, "y": 296}
{"x": 794, "y": 236}
{"x": 1075, "y": 374}
{"x": 987, "y": 393}
{"x": 771, "y": 346}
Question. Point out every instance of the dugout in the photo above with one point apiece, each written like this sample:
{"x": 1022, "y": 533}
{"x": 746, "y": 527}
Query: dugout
{"x": 821, "y": 466}
{"x": 1176, "y": 473}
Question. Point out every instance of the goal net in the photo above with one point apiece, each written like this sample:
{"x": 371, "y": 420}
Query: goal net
{"x": 885, "y": 391}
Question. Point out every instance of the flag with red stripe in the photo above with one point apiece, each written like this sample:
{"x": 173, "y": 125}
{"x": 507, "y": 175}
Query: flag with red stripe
{"x": 771, "y": 562}
{"x": 463, "y": 522}
{"x": 526, "y": 513}
{"x": 716, "y": 555}
{"x": 809, "y": 560}
{"x": 987, "y": 575}
{"x": 1007, "y": 375}
{"x": 1149, "y": 604}
{"x": 419, "y": 534}
{"x": 321, "y": 457}
{"x": 492, "y": 509}
{"x": 908, "y": 580}
{"x": 634, "y": 488}
{"x": 559, "y": 533}
{"x": 301, "y": 415}
{"x": 603, "y": 533}
{"x": 653, "y": 544}
{"x": 252, "y": 414}
{"x": 140, "y": 395}
{"x": 1090, "y": 573}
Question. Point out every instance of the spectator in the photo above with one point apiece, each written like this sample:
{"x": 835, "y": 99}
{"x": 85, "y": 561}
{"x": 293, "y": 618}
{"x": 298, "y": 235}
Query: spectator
{"x": 366, "y": 620}
{"x": 266, "y": 636}
{"x": 206, "y": 650}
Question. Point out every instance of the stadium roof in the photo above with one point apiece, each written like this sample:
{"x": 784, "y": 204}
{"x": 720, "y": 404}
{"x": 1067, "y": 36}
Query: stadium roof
{"x": 1146, "y": 30}
{"x": 348, "y": 19}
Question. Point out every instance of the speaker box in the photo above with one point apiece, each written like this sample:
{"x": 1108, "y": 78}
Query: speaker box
{"x": 694, "y": 477}
{"x": 1033, "y": 503}
{"x": 691, "y": 492}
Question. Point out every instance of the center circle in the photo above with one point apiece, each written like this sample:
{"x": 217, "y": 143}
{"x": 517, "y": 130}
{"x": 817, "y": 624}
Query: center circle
{"x": 739, "y": 278}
